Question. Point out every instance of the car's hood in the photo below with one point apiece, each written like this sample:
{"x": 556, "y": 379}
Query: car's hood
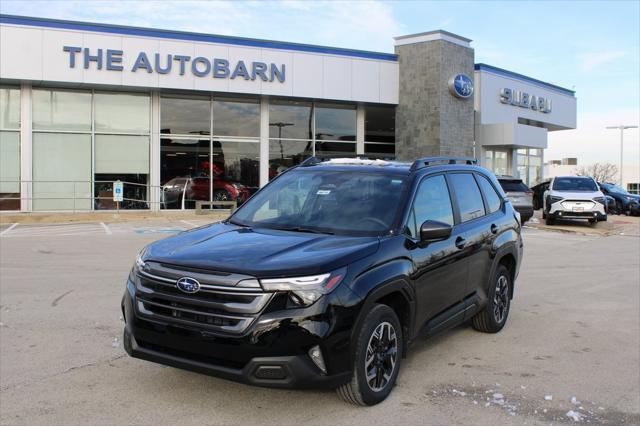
{"x": 260, "y": 252}
{"x": 577, "y": 195}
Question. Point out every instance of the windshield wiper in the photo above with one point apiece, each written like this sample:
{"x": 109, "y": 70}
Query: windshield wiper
{"x": 301, "y": 229}
{"x": 233, "y": 222}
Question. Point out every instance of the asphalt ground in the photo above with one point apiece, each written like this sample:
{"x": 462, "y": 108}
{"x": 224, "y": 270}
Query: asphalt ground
{"x": 573, "y": 333}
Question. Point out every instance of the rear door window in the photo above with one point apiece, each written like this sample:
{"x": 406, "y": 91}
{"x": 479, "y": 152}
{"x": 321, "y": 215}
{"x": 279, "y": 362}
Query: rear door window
{"x": 467, "y": 195}
{"x": 490, "y": 194}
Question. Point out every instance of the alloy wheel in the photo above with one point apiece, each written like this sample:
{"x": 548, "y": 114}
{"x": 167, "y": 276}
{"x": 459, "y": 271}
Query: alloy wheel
{"x": 501, "y": 299}
{"x": 380, "y": 360}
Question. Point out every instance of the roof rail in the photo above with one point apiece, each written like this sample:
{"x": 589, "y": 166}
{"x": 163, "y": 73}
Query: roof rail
{"x": 428, "y": 161}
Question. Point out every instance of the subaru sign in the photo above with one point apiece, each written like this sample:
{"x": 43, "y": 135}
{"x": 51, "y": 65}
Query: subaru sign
{"x": 525, "y": 100}
{"x": 461, "y": 86}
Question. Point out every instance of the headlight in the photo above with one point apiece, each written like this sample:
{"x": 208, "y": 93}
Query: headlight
{"x": 553, "y": 199}
{"x": 138, "y": 265}
{"x": 600, "y": 200}
{"x": 306, "y": 289}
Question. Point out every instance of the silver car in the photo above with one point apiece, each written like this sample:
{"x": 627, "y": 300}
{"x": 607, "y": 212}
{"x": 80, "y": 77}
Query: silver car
{"x": 519, "y": 194}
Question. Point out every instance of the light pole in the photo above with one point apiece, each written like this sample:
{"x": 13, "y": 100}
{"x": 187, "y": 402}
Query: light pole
{"x": 621, "y": 127}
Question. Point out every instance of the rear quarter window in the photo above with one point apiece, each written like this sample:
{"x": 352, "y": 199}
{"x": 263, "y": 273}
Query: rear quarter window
{"x": 493, "y": 199}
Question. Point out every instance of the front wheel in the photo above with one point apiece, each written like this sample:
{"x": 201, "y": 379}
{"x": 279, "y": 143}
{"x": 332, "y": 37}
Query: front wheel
{"x": 549, "y": 220}
{"x": 494, "y": 315}
{"x": 378, "y": 354}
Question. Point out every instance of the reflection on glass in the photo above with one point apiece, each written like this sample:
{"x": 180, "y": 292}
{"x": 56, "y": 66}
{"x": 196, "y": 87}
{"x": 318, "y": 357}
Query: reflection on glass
{"x": 9, "y": 108}
{"x": 285, "y": 153}
{"x": 382, "y": 151}
{"x": 122, "y": 112}
{"x": 335, "y": 149}
{"x": 336, "y": 122}
{"x": 9, "y": 170}
{"x": 290, "y": 120}
{"x": 61, "y": 110}
{"x": 134, "y": 191}
{"x": 380, "y": 124}
{"x": 185, "y": 116}
{"x": 237, "y": 162}
{"x": 236, "y": 118}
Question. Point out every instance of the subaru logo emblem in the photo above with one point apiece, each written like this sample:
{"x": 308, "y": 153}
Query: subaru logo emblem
{"x": 188, "y": 285}
{"x": 461, "y": 86}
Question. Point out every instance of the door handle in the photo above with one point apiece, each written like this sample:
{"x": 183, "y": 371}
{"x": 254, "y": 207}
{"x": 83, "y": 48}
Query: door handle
{"x": 460, "y": 242}
{"x": 494, "y": 228}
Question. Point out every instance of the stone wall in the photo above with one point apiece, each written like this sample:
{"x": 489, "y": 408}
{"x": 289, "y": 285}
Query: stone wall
{"x": 429, "y": 119}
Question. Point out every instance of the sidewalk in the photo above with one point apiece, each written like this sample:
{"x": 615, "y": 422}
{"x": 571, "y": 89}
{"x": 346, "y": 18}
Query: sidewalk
{"x": 110, "y": 217}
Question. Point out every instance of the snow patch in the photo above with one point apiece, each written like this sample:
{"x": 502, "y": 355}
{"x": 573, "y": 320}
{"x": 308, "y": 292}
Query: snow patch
{"x": 576, "y": 416}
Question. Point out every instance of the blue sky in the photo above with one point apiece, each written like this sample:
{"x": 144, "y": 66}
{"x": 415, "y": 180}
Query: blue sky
{"x": 591, "y": 47}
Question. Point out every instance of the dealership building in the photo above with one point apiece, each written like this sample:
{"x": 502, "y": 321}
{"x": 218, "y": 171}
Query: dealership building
{"x": 83, "y": 105}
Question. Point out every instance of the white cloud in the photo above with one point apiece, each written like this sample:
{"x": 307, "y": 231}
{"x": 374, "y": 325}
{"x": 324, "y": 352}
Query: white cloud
{"x": 590, "y": 61}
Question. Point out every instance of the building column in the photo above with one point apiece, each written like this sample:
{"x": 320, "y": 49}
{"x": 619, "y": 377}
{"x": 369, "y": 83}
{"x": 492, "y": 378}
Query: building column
{"x": 154, "y": 153}
{"x": 360, "y": 118}
{"x": 26, "y": 149}
{"x": 264, "y": 141}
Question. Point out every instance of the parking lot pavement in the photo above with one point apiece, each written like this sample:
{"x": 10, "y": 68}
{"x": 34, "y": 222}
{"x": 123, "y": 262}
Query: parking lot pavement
{"x": 574, "y": 332}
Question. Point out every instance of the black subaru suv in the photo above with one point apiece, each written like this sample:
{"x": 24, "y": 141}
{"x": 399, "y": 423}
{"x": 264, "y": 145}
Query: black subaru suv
{"x": 326, "y": 275}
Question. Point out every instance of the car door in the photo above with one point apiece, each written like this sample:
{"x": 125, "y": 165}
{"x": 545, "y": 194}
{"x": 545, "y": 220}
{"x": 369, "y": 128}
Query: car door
{"x": 440, "y": 275}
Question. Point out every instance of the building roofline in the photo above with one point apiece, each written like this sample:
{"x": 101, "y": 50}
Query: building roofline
{"x": 427, "y": 33}
{"x": 506, "y": 73}
{"x": 192, "y": 36}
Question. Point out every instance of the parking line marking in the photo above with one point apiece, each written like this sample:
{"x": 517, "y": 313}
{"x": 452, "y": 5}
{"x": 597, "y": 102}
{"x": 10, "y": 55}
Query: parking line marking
{"x": 193, "y": 225}
{"x": 106, "y": 228}
{"x": 6, "y": 231}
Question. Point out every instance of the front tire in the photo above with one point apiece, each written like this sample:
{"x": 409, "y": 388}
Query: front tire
{"x": 549, "y": 220}
{"x": 494, "y": 316}
{"x": 378, "y": 355}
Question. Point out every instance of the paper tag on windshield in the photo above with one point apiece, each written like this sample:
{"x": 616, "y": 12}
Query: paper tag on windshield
{"x": 323, "y": 192}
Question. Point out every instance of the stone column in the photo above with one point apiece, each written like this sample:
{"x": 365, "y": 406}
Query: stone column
{"x": 430, "y": 120}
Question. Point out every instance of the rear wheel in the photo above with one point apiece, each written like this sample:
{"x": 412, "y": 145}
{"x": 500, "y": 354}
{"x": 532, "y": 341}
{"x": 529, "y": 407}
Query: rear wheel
{"x": 494, "y": 316}
{"x": 378, "y": 354}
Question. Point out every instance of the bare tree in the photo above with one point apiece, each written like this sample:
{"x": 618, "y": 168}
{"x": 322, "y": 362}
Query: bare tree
{"x": 601, "y": 172}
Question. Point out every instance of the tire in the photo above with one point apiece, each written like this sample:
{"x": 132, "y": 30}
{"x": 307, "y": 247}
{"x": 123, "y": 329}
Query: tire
{"x": 358, "y": 391}
{"x": 619, "y": 209}
{"x": 549, "y": 220}
{"x": 494, "y": 316}
{"x": 221, "y": 195}
{"x": 544, "y": 215}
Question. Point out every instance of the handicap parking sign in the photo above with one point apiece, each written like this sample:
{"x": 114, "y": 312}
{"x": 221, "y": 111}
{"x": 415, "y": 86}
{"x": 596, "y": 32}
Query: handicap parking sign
{"x": 117, "y": 191}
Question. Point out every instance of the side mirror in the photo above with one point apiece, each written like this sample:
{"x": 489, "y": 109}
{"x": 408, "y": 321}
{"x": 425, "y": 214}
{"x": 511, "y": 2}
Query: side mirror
{"x": 432, "y": 230}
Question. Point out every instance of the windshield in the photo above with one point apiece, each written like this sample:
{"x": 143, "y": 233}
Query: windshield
{"x": 584, "y": 184}
{"x": 351, "y": 203}
{"x": 615, "y": 189}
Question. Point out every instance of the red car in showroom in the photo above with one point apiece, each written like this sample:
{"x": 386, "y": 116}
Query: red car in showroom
{"x": 197, "y": 189}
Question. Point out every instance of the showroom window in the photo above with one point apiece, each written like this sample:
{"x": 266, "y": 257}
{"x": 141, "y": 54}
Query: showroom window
{"x": 290, "y": 134}
{"x": 209, "y": 149}
{"x": 380, "y": 131}
{"x": 633, "y": 188}
{"x": 83, "y": 142}
{"x": 529, "y": 165}
{"x": 335, "y": 130}
{"x": 9, "y": 148}
{"x": 497, "y": 161}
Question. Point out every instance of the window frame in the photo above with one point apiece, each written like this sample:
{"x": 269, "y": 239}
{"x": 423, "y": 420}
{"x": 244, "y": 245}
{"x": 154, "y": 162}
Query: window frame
{"x": 411, "y": 210}
{"x": 477, "y": 177}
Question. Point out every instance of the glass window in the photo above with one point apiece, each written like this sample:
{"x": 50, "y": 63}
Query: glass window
{"x": 335, "y": 149}
{"x": 61, "y": 110}
{"x": 9, "y": 108}
{"x": 433, "y": 202}
{"x": 236, "y": 117}
{"x": 379, "y": 150}
{"x": 134, "y": 191}
{"x": 9, "y": 170}
{"x": 290, "y": 120}
{"x": 122, "y": 113}
{"x": 336, "y": 122}
{"x": 286, "y": 153}
{"x": 109, "y": 156}
{"x": 185, "y": 116}
{"x": 61, "y": 171}
{"x": 236, "y": 162}
{"x": 467, "y": 195}
{"x": 493, "y": 199}
{"x": 380, "y": 124}
{"x": 181, "y": 160}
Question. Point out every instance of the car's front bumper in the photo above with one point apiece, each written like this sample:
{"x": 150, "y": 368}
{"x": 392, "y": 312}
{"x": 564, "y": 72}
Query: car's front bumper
{"x": 273, "y": 352}
{"x": 560, "y": 214}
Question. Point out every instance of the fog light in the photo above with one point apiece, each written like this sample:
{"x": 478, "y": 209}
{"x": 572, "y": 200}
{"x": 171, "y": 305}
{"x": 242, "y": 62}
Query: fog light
{"x": 595, "y": 214}
{"x": 316, "y": 356}
{"x": 559, "y": 213}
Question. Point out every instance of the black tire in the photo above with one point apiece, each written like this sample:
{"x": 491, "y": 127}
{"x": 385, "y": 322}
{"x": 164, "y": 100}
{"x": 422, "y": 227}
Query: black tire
{"x": 221, "y": 195}
{"x": 358, "y": 391}
{"x": 488, "y": 320}
{"x": 549, "y": 220}
{"x": 619, "y": 209}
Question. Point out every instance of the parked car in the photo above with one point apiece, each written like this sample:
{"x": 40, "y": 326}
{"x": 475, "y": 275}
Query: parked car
{"x": 519, "y": 194}
{"x": 327, "y": 274}
{"x": 610, "y": 204}
{"x": 538, "y": 194}
{"x": 624, "y": 199}
{"x": 197, "y": 188}
{"x": 574, "y": 197}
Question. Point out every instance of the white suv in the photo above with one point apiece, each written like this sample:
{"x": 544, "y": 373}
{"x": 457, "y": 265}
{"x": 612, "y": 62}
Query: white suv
{"x": 574, "y": 197}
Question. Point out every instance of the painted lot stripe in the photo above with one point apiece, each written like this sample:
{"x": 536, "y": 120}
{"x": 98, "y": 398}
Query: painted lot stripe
{"x": 106, "y": 228}
{"x": 56, "y": 230}
{"x": 191, "y": 224}
{"x": 6, "y": 231}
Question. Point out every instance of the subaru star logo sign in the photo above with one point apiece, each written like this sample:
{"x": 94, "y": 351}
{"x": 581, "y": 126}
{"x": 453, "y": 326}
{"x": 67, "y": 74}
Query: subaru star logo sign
{"x": 188, "y": 285}
{"x": 461, "y": 86}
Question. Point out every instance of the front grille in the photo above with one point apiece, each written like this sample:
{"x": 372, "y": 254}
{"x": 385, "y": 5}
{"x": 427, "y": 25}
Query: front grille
{"x": 216, "y": 308}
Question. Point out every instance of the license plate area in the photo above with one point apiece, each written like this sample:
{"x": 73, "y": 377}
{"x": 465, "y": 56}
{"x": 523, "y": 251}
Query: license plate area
{"x": 578, "y": 209}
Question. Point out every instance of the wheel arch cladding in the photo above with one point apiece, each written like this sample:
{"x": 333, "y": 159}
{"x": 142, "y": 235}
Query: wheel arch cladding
{"x": 508, "y": 260}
